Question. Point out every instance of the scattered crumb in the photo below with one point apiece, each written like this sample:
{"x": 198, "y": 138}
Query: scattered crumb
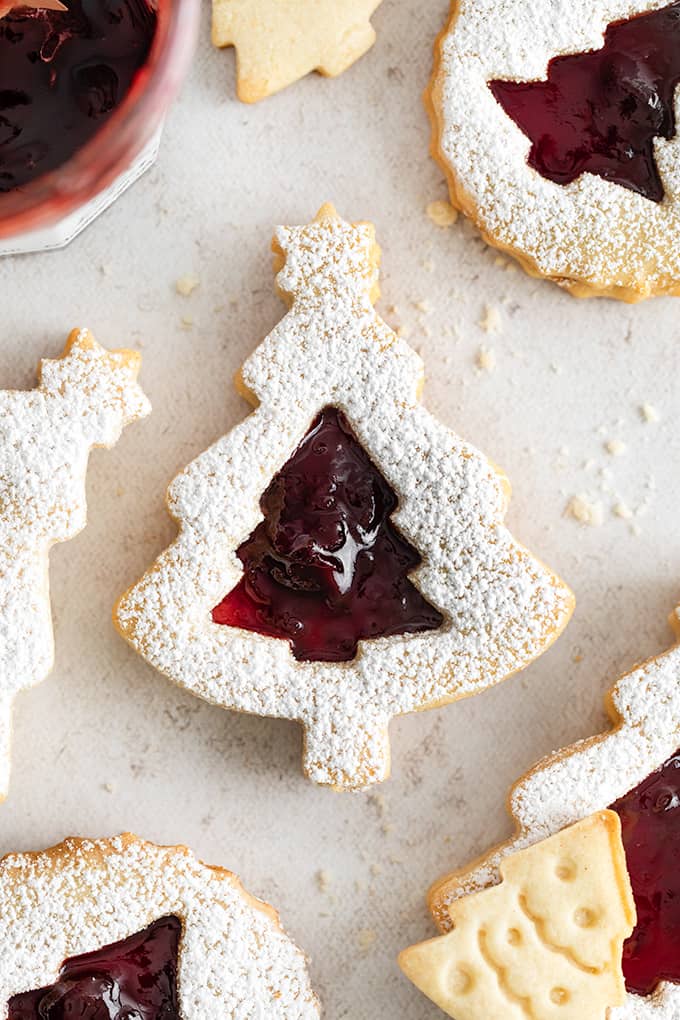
{"x": 108, "y": 787}
{"x": 324, "y": 880}
{"x": 577, "y": 657}
{"x": 428, "y": 266}
{"x": 486, "y": 359}
{"x": 491, "y": 320}
{"x": 423, "y": 306}
{"x": 500, "y": 261}
{"x": 649, "y": 414}
{"x": 187, "y": 284}
{"x": 376, "y": 870}
{"x": 586, "y": 511}
{"x": 403, "y": 332}
{"x": 442, "y": 213}
{"x": 622, "y": 510}
{"x": 615, "y": 447}
{"x": 366, "y": 938}
{"x": 187, "y": 321}
{"x": 635, "y": 530}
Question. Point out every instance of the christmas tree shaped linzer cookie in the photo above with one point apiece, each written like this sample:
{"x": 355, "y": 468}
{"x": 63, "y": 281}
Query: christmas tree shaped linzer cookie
{"x": 633, "y": 770}
{"x": 341, "y": 557}
{"x": 83, "y": 400}
{"x": 543, "y": 944}
{"x": 280, "y": 41}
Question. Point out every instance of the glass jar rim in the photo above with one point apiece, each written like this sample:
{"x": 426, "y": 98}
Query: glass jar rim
{"x": 52, "y": 196}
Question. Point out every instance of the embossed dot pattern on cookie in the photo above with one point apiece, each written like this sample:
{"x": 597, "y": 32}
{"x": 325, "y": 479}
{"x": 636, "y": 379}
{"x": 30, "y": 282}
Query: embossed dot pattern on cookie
{"x": 135, "y": 979}
{"x": 601, "y": 111}
{"x": 326, "y": 567}
{"x": 650, "y": 827}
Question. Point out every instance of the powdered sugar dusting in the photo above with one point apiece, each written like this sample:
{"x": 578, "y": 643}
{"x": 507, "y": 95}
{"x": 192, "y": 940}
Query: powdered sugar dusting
{"x": 235, "y": 961}
{"x": 589, "y": 230}
{"x": 502, "y": 607}
{"x": 84, "y": 399}
{"x": 588, "y": 777}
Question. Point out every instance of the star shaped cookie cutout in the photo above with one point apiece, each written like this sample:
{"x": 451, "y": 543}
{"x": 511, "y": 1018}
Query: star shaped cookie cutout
{"x": 280, "y": 41}
{"x": 634, "y": 771}
{"x": 341, "y": 556}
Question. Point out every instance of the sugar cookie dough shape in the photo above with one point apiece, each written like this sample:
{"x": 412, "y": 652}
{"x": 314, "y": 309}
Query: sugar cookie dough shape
{"x": 83, "y": 400}
{"x": 585, "y": 778}
{"x": 502, "y": 608}
{"x": 280, "y": 41}
{"x": 235, "y": 960}
{"x": 592, "y": 237}
{"x": 545, "y": 943}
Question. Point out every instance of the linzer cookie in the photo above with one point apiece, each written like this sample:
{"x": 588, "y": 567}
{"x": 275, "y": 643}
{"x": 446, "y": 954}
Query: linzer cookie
{"x": 556, "y": 126}
{"x": 280, "y": 41}
{"x": 83, "y": 400}
{"x": 543, "y": 944}
{"x": 121, "y": 928}
{"x": 341, "y": 555}
{"x": 633, "y": 770}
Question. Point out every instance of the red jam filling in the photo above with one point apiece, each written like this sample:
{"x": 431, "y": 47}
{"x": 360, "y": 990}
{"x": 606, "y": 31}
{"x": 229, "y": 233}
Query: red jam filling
{"x": 326, "y": 568}
{"x": 132, "y": 980}
{"x": 650, "y": 826}
{"x": 601, "y": 111}
{"x": 62, "y": 73}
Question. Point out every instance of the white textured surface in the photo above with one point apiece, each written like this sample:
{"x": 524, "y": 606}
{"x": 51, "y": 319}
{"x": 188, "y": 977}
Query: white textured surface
{"x": 501, "y": 607}
{"x": 588, "y": 229}
{"x": 234, "y": 959}
{"x": 569, "y": 376}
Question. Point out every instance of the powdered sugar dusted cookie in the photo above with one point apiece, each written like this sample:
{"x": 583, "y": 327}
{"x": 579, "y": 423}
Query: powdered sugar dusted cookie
{"x": 635, "y": 770}
{"x": 280, "y": 41}
{"x": 544, "y": 943}
{"x": 83, "y": 399}
{"x": 556, "y": 125}
{"x": 124, "y": 928}
{"x": 341, "y": 556}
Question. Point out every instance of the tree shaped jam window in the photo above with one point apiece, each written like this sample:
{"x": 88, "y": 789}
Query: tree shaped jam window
{"x": 600, "y": 111}
{"x": 326, "y": 568}
{"x": 135, "y": 979}
{"x": 650, "y": 827}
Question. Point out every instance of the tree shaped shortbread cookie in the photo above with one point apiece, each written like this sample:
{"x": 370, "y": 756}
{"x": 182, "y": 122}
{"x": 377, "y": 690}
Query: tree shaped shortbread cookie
{"x": 341, "y": 557}
{"x": 543, "y": 944}
{"x": 84, "y": 399}
{"x": 634, "y": 770}
{"x": 280, "y": 41}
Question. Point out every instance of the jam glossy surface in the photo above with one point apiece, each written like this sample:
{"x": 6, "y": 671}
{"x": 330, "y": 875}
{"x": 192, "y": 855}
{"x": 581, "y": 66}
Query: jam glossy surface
{"x": 601, "y": 111}
{"x": 650, "y": 826}
{"x": 62, "y": 73}
{"x": 326, "y": 567}
{"x": 132, "y": 980}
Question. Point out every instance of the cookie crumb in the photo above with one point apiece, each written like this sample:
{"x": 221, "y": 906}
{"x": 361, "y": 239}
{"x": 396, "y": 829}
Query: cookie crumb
{"x": 616, "y": 447}
{"x": 486, "y": 359}
{"x": 441, "y": 213}
{"x": 649, "y": 414}
{"x": 366, "y": 939}
{"x": 324, "y": 880}
{"x": 622, "y": 510}
{"x": 586, "y": 511}
{"x": 187, "y": 284}
{"x": 491, "y": 320}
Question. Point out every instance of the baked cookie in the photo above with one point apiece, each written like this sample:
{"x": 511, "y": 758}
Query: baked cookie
{"x": 83, "y": 399}
{"x": 341, "y": 557}
{"x": 556, "y": 125}
{"x": 125, "y": 929}
{"x": 635, "y": 770}
{"x": 280, "y": 41}
{"x": 544, "y": 943}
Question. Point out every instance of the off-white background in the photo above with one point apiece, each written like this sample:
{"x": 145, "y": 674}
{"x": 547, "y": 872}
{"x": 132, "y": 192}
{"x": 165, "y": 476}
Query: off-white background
{"x": 106, "y": 743}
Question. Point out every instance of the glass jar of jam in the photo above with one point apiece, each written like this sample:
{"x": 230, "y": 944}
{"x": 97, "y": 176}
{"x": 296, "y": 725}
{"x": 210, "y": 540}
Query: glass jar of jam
{"x": 83, "y": 93}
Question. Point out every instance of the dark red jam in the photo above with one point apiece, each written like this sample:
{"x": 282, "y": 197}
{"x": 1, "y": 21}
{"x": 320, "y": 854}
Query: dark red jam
{"x": 326, "y": 567}
{"x": 650, "y": 825}
{"x": 601, "y": 111}
{"x": 62, "y": 74}
{"x": 132, "y": 980}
